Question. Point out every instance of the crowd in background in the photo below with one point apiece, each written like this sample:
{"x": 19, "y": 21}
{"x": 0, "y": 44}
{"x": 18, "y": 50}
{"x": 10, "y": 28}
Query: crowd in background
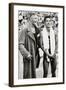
{"x": 24, "y": 17}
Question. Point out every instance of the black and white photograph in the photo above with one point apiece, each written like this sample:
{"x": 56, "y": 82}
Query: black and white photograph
{"x": 37, "y": 57}
{"x": 38, "y": 44}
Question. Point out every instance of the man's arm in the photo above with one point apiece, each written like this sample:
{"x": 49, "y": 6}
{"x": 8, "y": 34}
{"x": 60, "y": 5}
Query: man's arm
{"x": 22, "y": 49}
{"x": 48, "y": 54}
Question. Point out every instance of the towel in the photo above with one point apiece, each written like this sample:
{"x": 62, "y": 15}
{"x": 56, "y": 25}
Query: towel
{"x": 46, "y": 40}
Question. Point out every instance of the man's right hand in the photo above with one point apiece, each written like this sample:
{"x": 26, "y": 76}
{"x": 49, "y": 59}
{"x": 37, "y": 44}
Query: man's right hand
{"x": 52, "y": 56}
{"x": 29, "y": 57}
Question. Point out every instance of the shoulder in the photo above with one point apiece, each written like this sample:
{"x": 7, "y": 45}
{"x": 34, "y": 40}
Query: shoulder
{"x": 24, "y": 31}
{"x": 52, "y": 31}
{"x": 44, "y": 31}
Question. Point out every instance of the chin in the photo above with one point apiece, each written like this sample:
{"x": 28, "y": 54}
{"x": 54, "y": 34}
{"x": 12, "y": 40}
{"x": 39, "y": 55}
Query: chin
{"x": 48, "y": 26}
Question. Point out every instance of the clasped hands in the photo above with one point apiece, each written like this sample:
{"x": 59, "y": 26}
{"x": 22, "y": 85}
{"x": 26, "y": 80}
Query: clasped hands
{"x": 29, "y": 57}
{"x": 52, "y": 55}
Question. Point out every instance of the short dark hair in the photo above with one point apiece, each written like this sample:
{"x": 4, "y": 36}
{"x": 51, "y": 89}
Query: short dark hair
{"x": 46, "y": 18}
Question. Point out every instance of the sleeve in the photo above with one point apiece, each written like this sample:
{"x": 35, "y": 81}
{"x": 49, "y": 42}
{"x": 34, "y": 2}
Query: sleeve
{"x": 22, "y": 48}
{"x": 22, "y": 37}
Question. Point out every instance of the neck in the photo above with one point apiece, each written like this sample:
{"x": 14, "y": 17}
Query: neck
{"x": 48, "y": 29}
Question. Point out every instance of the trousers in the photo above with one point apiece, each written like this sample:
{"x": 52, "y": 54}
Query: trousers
{"x": 46, "y": 66}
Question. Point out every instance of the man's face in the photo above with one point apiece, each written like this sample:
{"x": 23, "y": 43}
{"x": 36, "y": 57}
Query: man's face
{"x": 48, "y": 22}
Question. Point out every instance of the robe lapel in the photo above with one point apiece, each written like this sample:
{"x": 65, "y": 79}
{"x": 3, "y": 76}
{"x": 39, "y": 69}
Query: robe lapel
{"x": 30, "y": 34}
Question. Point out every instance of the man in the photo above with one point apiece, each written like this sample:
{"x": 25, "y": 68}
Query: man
{"x": 48, "y": 46}
{"x": 27, "y": 47}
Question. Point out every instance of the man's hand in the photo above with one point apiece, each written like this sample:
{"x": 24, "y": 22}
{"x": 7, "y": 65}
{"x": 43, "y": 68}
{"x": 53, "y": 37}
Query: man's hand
{"x": 29, "y": 57}
{"x": 50, "y": 56}
{"x": 53, "y": 56}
